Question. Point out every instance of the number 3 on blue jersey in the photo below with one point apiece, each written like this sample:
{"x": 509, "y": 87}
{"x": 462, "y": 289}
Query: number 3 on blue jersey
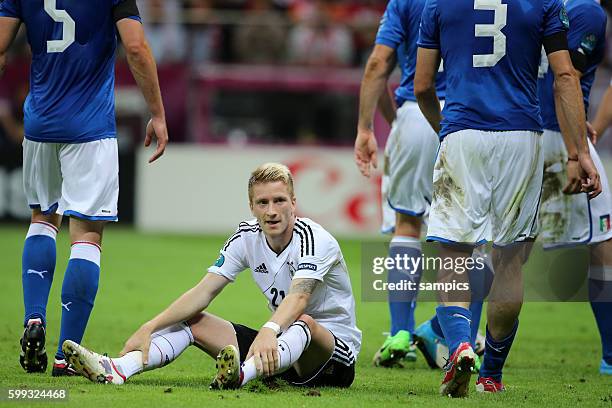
{"x": 491, "y": 30}
{"x": 68, "y": 30}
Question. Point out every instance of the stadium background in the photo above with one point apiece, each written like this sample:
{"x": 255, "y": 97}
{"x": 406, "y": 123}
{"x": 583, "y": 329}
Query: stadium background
{"x": 248, "y": 81}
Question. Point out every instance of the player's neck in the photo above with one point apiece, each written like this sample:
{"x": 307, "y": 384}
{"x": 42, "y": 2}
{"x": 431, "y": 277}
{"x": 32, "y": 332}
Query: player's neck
{"x": 280, "y": 242}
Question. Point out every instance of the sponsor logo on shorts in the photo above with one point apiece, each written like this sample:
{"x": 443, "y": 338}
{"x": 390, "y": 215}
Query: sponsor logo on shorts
{"x": 308, "y": 266}
{"x": 604, "y": 223}
{"x": 105, "y": 212}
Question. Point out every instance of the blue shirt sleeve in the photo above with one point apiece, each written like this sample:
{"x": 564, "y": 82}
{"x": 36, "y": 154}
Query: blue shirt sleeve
{"x": 555, "y": 17}
{"x": 391, "y": 31}
{"x": 587, "y": 33}
{"x": 10, "y": 8}
{"x": 429, "y": 32}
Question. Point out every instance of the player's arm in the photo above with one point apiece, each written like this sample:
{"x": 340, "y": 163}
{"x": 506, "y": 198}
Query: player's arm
{"x": 143, "y": 67}
{"x": 387, "y": 105}
{"x": 8, "y": 30}
{"x": 373, "y": 86}
{"x": 189, "y": 304}
{"x": 603, "y": 118}
{"x": 571, "y": 115}
{"x": 264, "y": 347}
{"x": 428, "y": 62}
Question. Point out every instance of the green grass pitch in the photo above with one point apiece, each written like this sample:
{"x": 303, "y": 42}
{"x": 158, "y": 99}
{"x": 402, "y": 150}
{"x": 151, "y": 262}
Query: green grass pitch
{"x": 554, "y": 361}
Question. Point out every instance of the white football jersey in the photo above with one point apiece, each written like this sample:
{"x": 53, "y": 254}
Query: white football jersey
{"x": 312, "y": 253}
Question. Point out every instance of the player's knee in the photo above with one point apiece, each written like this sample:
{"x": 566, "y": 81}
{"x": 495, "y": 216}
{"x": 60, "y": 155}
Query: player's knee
{"x": 53, "y": 219}
{"x": 310, "y": 322}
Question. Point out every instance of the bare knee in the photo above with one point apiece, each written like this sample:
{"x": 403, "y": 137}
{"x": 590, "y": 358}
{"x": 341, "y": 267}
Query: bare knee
{"x": 310, "y": 322}
{"x": 408, "y": 225}
{"x": 86, "y": 230}
{"x": 53, "y": 219}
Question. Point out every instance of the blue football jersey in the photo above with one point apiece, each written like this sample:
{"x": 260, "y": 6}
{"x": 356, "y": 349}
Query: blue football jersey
{"x": 72, "y": 76}
{"x": 399, "y": 29}
{"x": 587, "y": 35}
{"x": 491, "y": 52}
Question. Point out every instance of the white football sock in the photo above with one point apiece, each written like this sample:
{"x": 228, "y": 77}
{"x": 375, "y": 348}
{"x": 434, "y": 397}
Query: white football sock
{"x": 291, "y": 345}
{"x": 166, "y": 345}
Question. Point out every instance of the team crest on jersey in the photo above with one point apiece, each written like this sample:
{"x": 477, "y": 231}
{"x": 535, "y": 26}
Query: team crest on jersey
{"x": 588, "y": 43}
{"x": 308, "y": 266}
{"x": 291, "y": 268}
{"x": 564, "y": 18}
{"x": 604, "y": 223}
{"x": 220, "y": 261}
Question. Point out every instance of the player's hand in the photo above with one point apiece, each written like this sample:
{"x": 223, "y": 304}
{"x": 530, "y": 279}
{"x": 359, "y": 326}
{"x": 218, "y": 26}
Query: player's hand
{"x": 156, "y": 128}
{"x": 140, "y": 341}
{"x": 591, "y": 184}
{"x": 591, "y": 133}
{"x": 365, "y": 151}
{"x": 265, "y": 352}
{"x": 574, "y": 178}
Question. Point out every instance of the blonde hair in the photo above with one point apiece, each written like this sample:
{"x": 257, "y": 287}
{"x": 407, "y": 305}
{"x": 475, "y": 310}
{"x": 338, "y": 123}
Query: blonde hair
{"x": 269, "y": 173}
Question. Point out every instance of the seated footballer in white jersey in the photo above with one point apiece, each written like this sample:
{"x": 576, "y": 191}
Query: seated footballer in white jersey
{"x": 310, "y": 337}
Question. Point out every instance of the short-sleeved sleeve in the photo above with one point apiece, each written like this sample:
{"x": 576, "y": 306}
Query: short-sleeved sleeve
{"x": 587, "y": 33}
{"x": 391, "y": 30}
{"x": 232, "y": 259}
{"x": 10, "y": 8}
{"x": 320, "y": 254}
{"x": 555, "y": 17}
{"x": 429, "y": 31}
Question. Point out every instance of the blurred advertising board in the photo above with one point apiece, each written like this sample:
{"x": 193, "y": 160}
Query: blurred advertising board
{"x": 203, "y": 188}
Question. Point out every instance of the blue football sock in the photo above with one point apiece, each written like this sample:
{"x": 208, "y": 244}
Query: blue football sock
{"x": 403, "y": 303}
{"x": 495, "y": 355}
{"x": 600, "y": 294}
{"x": 78, "y": 292}
{"x": 481, "y": 279}
{"x": 476, "y": 311}
{"x": 455, "y": 323}
{"x": 38, "y": 266}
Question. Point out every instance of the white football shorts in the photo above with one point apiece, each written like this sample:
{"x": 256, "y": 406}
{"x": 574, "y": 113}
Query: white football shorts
{"x": 486, "y": 187}
{"x": 410, "y": 154}
{"x": 79, "y": 180}
{"x": 571, "y": 219}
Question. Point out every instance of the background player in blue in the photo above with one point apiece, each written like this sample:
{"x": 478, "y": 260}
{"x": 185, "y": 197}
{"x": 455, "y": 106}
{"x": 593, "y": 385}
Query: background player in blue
{"x": 70, "y": 148}
{"x": 408, "y": 165}
{"x": 488, "y": 173}
{"x": 573, "y": 219}
{"x": 603, "y": 119}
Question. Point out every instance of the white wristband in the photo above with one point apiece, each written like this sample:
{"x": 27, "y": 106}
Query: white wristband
{"x": 273, "y": 326}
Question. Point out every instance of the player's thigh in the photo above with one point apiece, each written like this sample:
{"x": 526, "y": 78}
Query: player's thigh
{"x": 42, "y": 176}
{"x": 462, "y": 188}
{"x": 409, "y": 161}
{"x": 601, "y": 206}
{"x": 562, "y": 218}
{"x": 517, "y": 168}
{"x": 212, "y": 333}
{"x": 90, "y": 188}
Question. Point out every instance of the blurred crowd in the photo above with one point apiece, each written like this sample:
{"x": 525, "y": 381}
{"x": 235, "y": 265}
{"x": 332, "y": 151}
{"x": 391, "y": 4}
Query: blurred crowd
{"x": 304, "y": 32}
